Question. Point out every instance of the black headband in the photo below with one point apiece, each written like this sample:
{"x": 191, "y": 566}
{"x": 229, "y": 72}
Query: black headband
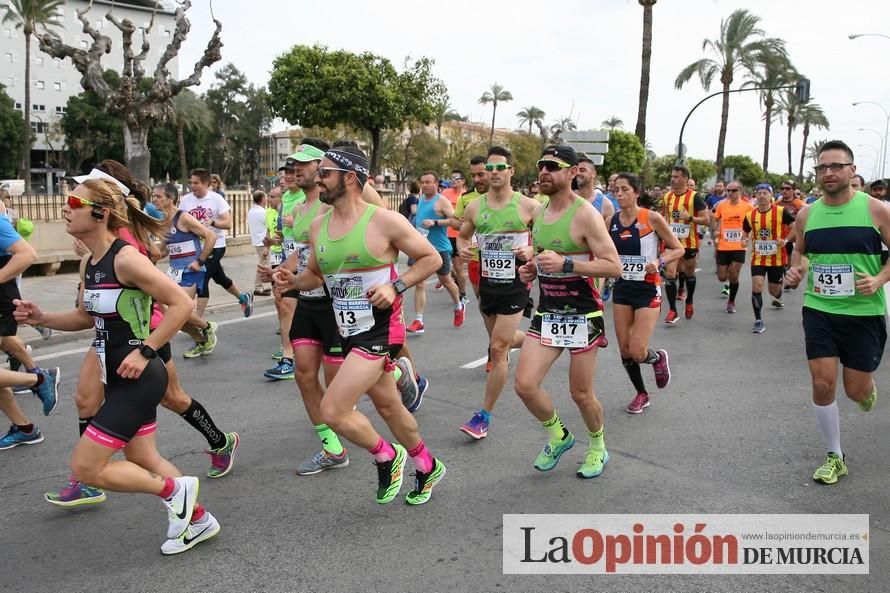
{"x": 358, "y": 164}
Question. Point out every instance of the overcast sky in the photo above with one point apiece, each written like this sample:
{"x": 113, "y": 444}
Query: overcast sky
{"x": 582, "y": 58}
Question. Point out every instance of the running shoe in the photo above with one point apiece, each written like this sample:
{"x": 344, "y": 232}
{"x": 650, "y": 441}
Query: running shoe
{"x": 193, "y": 535}
{"x": 662, "y": 370}
{"x": 222, "y": 459}
{"x": 476, "y": 427}
{"x": 181, "y": 505}
{"x": 261, "y": 292}
{"x": 210, "y": 338}
{"x": 671, "y": 318}
{"x": 322, "y": 461}
{"x": 690, "y": 310}
{"x": 681, "y": 294}
{"x": 390, "y": 474}
{"x": 550, "y": 454}
{"x": 279, "y": 354}
{"x": 407, "y": 383}
{"x": 758, "y": 327}
{"x": 75, "y": 494}
{"x": 415, "y": 328}
{"x": 607, "y": 290}
{"x": 459, "y": 315}
{"x": 778, "y": 304}
{"x": 439, "y": 286}
{"x": 423, "y": 385}
{"x": 594, "y": 462}
{"x": 282, "y": 371}
{"x": 194, "y": 352}
{"x": 423, "y": 483}
{"x": 16, "y": 437}
{"x": 45, "y": 332}
{"x": 48, "y": 392}
{"x": 833, "y": 468}
{"x": 726, "y": 289}
{"x": 246, "y": 300}
{"x": 730, "y": 307}
{"x": 639, "y": 403}
{"x": 464, "y": 299}
{"x": 868, "y": 403}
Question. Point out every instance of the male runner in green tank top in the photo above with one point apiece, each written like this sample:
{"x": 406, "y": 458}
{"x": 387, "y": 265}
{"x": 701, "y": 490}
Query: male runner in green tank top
{"x": 844, "y": 305}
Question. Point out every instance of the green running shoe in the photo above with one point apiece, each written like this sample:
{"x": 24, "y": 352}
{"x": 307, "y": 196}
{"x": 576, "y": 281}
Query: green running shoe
{"x": 423, "y": 483}
{"x": 593, "y": 465}
{"x": 194, "y": 352}
{"x": 222, "y": 459}
{"x": 210, "y": 338}
{"x": 868, "y": 403}
{"x": 833, "y": 468}
{"x": 390, "y": 474}
{"x": 549, "y": 456}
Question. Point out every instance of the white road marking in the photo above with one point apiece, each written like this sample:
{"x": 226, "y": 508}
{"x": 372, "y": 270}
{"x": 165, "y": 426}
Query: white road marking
{"x": 73, "y": 351}
{"x": 478, "y": 363}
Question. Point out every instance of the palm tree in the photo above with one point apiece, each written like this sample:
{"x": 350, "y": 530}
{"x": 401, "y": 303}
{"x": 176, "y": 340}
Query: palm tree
{"x": 189, "y": 111}
{"x": 640, "y": 130}
{"x": 531, "y": 116}
{"x": 814, "y": 149}
{"x": 565, "y": 124}
{"x": 811, "y": 116}
{"x": 789, "y": 109}
{"x": 612, "y": 123}
{"x": 442, "y": 112}
{"x": 774, "y": 73}
{"x": 29, "y": 16}
{"x": 741, "y": 47}
{"x": 496, "y": 94}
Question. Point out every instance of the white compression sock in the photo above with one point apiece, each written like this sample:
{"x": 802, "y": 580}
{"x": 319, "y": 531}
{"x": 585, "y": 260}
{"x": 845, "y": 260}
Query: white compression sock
{"x": 828, "y": 419}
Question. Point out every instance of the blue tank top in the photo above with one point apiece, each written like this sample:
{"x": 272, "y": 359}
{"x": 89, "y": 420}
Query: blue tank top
{"x": 598, "y": 202}
{"x": 184, "y": 246}
{"x": 437, "y": 235}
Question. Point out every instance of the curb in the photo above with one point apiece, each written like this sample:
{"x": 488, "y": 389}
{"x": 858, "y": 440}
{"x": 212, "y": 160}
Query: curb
{"x": 58, "y": 338}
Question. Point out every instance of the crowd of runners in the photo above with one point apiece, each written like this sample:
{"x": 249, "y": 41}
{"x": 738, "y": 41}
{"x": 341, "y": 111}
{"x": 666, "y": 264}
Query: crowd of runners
{"x": 339, "y": 291}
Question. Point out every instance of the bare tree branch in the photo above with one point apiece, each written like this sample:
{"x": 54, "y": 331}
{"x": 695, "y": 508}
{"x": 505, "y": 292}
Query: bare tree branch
{"x": 127, "y": 28}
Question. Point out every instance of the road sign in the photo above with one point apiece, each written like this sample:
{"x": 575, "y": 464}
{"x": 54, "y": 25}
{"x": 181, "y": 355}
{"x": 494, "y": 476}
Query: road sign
{"x": 593, "y": 143}
{"x": 586, "y": 136}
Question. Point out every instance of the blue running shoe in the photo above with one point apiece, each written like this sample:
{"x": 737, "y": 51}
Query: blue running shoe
{"x": 16, "y": 437}
{"x": 423, "y": 385}
{"x": 48, "y": 392}
{"x": 246, "y": 300}
{"x": 607, "y": 290}
{"x": 284, "y": 370}
{"x": 75, "y": 494}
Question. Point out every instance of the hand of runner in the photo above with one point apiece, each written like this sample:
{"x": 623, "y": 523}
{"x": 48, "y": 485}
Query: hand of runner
{"x": 133, "y": 365}
{"x": 550, "y": 261}
{"x": 867, "y": 285}
{"x": 284, "y": 279}
{"x": 382, "y": 296}
{"x": 27, "y": 312}
{"x": 265, "y": 273}
{"x": 793, "y": 277}
{"x": 524, "y": 253}
{"x": 288, "y": 220}
{"x": 467, "y": 253}
{"x": 528, "y": 271}
{"x": 427, "y": 223}
{"x": 194, "y": 266}
{"x": 651, "y": 267}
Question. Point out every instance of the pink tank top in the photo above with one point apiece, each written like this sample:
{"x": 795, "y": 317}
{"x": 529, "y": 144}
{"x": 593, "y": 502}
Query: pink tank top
{"x": 157, "y": 316}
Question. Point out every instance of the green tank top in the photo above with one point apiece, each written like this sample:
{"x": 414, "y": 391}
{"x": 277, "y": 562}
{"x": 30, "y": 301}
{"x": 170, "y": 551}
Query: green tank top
{"x": 557, "y": 235}
{"x": 840, "y": 241}
{"x": 301, "y": 245}
{"x": 301, "y": 226}
{"x": 506, "y": 220}
{"x": 348, "y": 252}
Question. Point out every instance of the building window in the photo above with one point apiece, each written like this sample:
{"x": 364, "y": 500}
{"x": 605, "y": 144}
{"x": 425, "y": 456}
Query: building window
{"x": 57, "y": 86}
{"x": 18, "y": 105}
{"x": 40, "y": 84}
{"x": 36, "y": 107}
{"x": 61, "y": 109}
{"x": 39, "y": 127}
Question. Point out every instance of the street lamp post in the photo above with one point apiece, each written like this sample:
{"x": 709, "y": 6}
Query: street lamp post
{"x": 858, "y": 35}
{"x": 880, "y": 137}
{"x": 877, "y": 150}
{"x": 886, "y": 130}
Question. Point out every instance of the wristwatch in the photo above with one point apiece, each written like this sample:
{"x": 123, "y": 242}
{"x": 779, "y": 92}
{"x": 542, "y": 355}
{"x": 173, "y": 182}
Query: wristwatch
{"x": 568, "y": 264}
{"x": 213, "y": 223}
{"x": 201, "y": 262}
{"x": 147, "y": 351}
{"x": 399, "y": 286}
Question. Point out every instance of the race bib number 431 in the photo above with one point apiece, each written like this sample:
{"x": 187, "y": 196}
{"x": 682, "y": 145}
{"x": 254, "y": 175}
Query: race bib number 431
{"x": 835, "y": 280}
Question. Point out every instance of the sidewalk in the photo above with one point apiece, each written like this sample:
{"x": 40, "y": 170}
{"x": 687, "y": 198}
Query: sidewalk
{"x": 57, "y": 293}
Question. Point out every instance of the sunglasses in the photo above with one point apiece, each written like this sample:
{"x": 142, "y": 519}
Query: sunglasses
{"x": 456, "y": 178}
{"x": 323, "y": 172}
{"x": 75, "y": 202}
{"x": 551, "y": 166}
{"x": 734, "y": 190}
{"x": 786, "y": 188}
{"x": 835, "y": 167}
{"x": 497, "y": 166}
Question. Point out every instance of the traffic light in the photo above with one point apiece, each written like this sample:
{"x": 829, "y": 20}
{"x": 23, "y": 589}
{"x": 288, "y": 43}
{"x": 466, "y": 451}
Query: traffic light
{"x": 802, "y": 90}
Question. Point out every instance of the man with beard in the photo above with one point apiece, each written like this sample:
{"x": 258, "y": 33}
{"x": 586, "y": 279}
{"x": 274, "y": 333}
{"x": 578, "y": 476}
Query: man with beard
{"x": 844, "y": 304}
{"x": 355, "y": 247}
{"x": 480, "y": 179}
{"x": 586, "y": 180}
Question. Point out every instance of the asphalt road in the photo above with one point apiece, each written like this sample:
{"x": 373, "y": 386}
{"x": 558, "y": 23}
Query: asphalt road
{"x": 733, "y": 433}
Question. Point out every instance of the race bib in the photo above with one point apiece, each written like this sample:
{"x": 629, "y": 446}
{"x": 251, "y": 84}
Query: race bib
{"x": 353, "y": 316}
{"x": 732, "y": 235}
{"x": 766, "y": 247}
{"x": 175, "y": 274}
{"x": 564, "y": 331}
{"x": 835, "y": 280}
{"x": 425, "y": 232}
{"x": 680, "y": 230}
{"x": 288, "y": 246}
{"x": 276, "y": 258}
{"x": 633, "y": 267}
{"x": 100, "y": 352}
{"x": 303, "y": 252}
{"x": 181, "y": 248}
{"x": 498, "y": 265}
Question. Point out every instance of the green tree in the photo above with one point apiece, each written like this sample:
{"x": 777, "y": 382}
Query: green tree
{"x": 531, "y": 116}
{"x": 660, "y": 167}
{"x": 526, "y": 151}
{"x": 30, "y": 16}
{"x": 814, "y": 148}
{"x": 613, "y": 123}
{"x": 777, "y": 72}
{"x": 442, "y": 112}
{"x": 189, "y": 112}
{"x": 461, "y": 147}
{"x": 91, "y": 133}
{"x": 425, "y": 153}
{"x": 12, "y": 131}
{"x": 496, "y": 94}
{"x": 811, "y": 116}
{"x": 563, "y": 124}
{"x": 742, "y": 47}
{"x": 745, "y": 169}
{"x": 626, "y": 154}
{"x": 645, "y": 66}
{"x": 361, "y": 90}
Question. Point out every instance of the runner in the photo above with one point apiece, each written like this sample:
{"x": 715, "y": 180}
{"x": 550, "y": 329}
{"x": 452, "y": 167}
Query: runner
{"x": 567, "y": 233}
{"x": 764, "y": 231}
{"x": 792, "y": 205}
{"x": 256, "y": 225}
{"x": 434, "y": 215}
{"x": 727, "y": 229}
{"x": 358, "y": 269}
{"x": 684, "y": 210}
{"x": 212, "y": 210}
{"x": 119, "y": 285}
{"x": 636, "y": 233}
{"x": 586, "y": 182}
{"x": 844, "y": 305}
{"x": 480, "y": 179}
{"x": 454, "y": 193}
{"x": 500, "y": 222}
{"x": 187, "y": 260}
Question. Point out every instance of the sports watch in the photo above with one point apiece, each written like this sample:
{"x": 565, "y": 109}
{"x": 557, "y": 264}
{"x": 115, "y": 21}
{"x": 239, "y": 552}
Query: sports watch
{"x": 399, "y": 286}
{"x": 147, "y": 351}
{"x": 568, "y": 264}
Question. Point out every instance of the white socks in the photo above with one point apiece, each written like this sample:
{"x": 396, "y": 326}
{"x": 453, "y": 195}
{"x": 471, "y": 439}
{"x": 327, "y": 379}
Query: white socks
{"x": 830, "y": 426}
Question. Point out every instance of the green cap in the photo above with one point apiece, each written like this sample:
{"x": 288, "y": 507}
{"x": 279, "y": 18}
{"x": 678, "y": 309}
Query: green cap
{"x": 305, "y": 153}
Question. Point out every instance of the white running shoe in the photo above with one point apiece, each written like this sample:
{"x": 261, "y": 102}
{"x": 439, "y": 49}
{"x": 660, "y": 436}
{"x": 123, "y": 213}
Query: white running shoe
{"x": 181, "y": 505}
{"x": 194, "y": 534}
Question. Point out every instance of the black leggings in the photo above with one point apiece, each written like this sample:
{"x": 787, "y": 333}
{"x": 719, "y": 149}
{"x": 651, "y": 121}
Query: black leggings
{"x": 215, "y": 271}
